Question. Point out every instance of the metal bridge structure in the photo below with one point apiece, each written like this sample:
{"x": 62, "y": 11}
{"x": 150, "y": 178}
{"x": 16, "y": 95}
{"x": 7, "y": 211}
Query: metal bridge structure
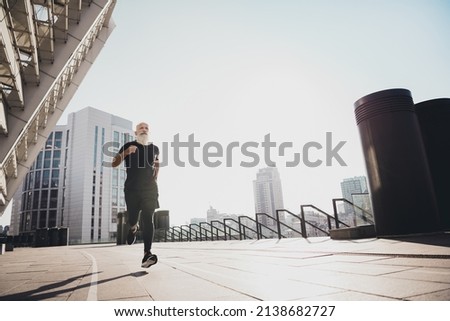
{"x": 46, "y": 49}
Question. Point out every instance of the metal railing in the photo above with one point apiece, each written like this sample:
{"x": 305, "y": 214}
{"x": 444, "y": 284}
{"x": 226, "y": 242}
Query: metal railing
{"x": 315, "y": 222}
{"x": 199, "y": 231}
{"x": 267, "y": 227}
{"x": 246, "y": 227}
{"x": 188, "y": 232}
{"x": 322, "y": 228}
{"x": 212, "y": 228}
{"x": 362, "y": 214}
{"x": 279, "y": 223}
{"x": 225, "y": 227}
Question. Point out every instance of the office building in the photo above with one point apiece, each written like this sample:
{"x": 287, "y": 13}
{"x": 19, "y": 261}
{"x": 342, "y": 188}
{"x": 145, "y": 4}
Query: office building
{"x": 268, "y": 195}
{"x": 355, "y": 190}
{"x": 71, "y": 185}
{"x": 353, "y": 187}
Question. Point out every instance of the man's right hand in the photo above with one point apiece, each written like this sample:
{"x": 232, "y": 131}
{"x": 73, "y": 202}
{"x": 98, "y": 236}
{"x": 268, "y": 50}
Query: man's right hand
{"x": 131, "y": 149}
{"x": 120, "y": 157}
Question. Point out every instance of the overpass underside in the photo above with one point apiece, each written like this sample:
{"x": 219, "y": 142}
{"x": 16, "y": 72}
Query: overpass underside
{"x": 46, "y": 49}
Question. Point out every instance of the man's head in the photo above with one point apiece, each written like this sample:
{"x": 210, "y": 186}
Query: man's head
{"x": 142, "y": 133}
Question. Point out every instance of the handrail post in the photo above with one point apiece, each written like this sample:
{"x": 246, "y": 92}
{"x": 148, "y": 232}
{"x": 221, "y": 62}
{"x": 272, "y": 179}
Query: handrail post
{"x": 200, "y": 230}
{"x": 173, "y": 233}
{"x": 225, "y": 226}
{"x": 217, "y": 233}
{"x": 336, "y": 220}
{"x": 302, "y": 222}
{"x": 258, "y": 227}
{"x": 187, "y": 234}
{"x": 206, "y": 234}
{"x": 258, "y": 230}
{"x": 225, "y": 232}
{"x": 240, "y": 230}
{"x": 278, "y": 224}
{"x": 195, "y": 231}
{"x": 196, "y": 234}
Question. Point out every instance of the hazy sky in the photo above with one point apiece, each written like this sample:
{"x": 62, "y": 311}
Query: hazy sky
{"x": 236, "y": 70}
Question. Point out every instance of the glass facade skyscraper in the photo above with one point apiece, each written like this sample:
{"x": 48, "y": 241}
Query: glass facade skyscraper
{"x": 69, "y": 185}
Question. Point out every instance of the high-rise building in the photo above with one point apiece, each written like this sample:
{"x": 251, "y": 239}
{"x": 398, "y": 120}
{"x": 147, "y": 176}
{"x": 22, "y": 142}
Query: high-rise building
{"x": 197, "y": 220}
{"x": 268, "y": 194}
{"x": 353, "y": 186}
{"x": 70, "y": 184}
{"x": 212, "y": 214}
{"x": 355, "y": 190}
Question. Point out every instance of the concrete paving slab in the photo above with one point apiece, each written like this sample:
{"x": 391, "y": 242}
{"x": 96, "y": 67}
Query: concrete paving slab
{"x": 380, "y": 285}
{"x": 424, "y": 274}
{"x": 362, "y": 269}
{"x": 416, "y": 268}
{"x": 351, "y": 296}
{"x": 435, "y": 296}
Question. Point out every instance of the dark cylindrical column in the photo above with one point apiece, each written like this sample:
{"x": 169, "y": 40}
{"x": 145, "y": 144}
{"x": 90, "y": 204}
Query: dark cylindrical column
{"x": 161, "y": 220}
{"x": 400, "y": 183}
{"x": 434, "y": 120}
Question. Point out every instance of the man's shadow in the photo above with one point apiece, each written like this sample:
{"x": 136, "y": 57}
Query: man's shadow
{"x": 52, "y": 290}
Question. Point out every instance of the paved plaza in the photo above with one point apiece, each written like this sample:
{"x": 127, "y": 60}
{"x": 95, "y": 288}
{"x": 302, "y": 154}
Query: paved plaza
{"x": 315, "y": 269}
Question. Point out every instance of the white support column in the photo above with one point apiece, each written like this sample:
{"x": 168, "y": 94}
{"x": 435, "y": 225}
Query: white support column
{"x": 3, "y": 125}
{"x": 3, "y": 188}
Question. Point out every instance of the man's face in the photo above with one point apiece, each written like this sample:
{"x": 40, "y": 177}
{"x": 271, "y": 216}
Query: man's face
{"x": 141, "y": 129}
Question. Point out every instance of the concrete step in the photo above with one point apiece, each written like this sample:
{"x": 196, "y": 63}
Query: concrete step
{"x": 355, "y": 232}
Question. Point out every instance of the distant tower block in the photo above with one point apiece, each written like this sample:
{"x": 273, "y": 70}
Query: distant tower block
{"x": 434, "y": 120}
{"x": 400, "y": 182}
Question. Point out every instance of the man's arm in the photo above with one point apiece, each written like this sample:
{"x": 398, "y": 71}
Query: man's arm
{"x": 156, "y": 163}
{"x": 121, "y": 156}
{"x": 156, "y": 169}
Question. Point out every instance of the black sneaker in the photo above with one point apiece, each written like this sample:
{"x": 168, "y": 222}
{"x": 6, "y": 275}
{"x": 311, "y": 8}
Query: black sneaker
{"x": 131, "y": 237}
{"x": 149, "y": 260}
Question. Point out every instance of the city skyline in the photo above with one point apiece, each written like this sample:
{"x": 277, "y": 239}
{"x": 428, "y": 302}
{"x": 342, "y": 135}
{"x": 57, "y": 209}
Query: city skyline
{"x": 233, "y": 71}
{"x": 259, "y": 171}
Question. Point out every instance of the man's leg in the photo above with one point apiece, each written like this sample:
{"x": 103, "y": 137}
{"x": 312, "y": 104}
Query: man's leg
{"x": 147, "y": 224}
{"x": 147, "y": 211}
{"x": 133, "y": 207}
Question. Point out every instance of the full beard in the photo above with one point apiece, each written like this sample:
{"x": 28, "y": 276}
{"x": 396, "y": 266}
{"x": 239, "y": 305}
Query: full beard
{"x": 142, "y": 139}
